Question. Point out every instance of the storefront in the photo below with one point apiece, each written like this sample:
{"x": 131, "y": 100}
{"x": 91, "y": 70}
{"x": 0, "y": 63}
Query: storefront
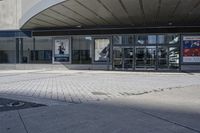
{"x": 124, "y": 52}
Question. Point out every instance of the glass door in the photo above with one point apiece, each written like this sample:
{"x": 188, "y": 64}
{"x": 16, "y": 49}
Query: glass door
{"x": 123, "y": 58}
{"x": 128, "y": 58}
{"x": 150, "y": 57}
{"x": 145, "y": 57}
{"x": 140, "y": 60}
{"x": 117, "y": 58}
{"x": 163, "y": 62}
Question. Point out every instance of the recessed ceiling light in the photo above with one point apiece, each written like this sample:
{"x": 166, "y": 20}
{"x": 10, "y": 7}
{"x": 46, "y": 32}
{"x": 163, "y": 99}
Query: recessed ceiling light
{"x": 170, "y": 23}
{"x": 79, "y": 26}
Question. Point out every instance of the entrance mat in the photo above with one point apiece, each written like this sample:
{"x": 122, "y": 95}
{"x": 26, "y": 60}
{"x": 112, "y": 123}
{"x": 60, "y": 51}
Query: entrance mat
{"x": 10, "y": 104}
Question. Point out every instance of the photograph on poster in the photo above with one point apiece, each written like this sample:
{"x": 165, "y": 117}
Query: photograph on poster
{"x": 191, "y": 49}
{"x": 102, "y": 49}
{"x": 62, "y": 50}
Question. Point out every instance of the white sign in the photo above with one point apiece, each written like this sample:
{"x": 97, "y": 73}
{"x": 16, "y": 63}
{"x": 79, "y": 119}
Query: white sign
{"x": 191, "y": 59}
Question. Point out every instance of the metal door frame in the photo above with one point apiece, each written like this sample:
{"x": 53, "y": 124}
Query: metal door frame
{"x": 143, "y": 68}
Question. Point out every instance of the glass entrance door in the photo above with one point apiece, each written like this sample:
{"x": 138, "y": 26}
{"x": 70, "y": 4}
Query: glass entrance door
{"x": 123, "y": 58}
{"x": 140, "y": 57}
{"x": 145, "y": 57}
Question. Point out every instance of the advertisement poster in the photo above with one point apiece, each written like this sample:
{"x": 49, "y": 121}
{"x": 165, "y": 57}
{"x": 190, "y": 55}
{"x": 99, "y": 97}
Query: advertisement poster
{"x": 102, "y": 49}
{"x": 191, "y": 49}
{"x": 62, "y": 50}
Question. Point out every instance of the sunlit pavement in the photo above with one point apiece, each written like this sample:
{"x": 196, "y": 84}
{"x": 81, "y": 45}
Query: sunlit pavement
{"x": 102, "y": 101}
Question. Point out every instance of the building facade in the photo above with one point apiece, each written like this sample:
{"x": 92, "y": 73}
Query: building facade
{"x": 127, "y": 35}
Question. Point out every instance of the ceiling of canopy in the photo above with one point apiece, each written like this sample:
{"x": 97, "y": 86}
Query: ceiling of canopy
{"x": 116, "y": 13}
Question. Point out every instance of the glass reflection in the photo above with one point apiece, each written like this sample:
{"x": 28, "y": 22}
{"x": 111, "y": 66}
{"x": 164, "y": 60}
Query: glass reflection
{"x": 81, "y": 49}
{"x": 117, "y": 40}
{"x": 42, "y": 52}
{"x": 162, "y": 57}
{"x": 140, "y": 57}
{"x": 151, "y": 39}
{"x": 7, "y": 50}
{"x": 150, "y": 57}
{"x": 123, "y": 40}
{"x": 172, "y": 39}
{"x": 27, "y": 48}
{"x": 141, "y": 39}
{"x": 160, "y": 39}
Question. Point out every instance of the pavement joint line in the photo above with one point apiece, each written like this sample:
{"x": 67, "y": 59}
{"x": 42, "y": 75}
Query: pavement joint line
{"x": 166, "y": 120}
{"x": 22, "y": 122}
{"x": 25, "y": 80}
{"x": 22, "y": 73}
{"x": 158, "y": 90}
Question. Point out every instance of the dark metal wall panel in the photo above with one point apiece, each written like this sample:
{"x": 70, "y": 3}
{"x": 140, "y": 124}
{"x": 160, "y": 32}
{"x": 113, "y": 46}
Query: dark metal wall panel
{"x": 15, "y": 33}
{"x": 183, "y": 10}
{"x": 116, "y": 31}
{"x": 167, "y": 9}
{"x": 134, "y": 10}
{"x": 150, "y": 10}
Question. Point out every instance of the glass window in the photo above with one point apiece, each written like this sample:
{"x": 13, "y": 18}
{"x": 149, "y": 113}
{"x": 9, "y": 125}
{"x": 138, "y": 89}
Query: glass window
{"x": 128, "y": 39}
{"x": 123, "y": 40}
{"x": 151, "y": 39}
{"x": 117, "y": 40}
{"x": 42, "y": 50}
{"x": 7, "y": 50}
{"x": 141, "y": 39}
{"x": 102, "y": 50}
{"x": 172, "y": 39}
{"x": 27, "y": 49}
{"x": 81, "y": 50}
{"x": 160, "y": 39}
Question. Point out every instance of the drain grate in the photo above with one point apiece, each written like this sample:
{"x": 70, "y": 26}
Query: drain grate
{"x": 10, "y": 104}
{"x": 16, "y": 104}
{"x": 100, "y": 93}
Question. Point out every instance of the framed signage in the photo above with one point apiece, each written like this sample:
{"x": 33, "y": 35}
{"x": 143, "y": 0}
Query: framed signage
{"x": 191, "y": 49}
{"x": 102, "y": 49}
{"x": 61, "y": 50}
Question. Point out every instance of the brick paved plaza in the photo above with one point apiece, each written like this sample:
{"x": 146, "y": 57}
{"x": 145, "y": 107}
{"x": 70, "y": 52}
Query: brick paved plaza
{"x": 89, "y": 86}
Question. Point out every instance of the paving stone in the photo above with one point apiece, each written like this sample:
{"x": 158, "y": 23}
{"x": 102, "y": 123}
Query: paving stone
{"x": 73, "y": 86}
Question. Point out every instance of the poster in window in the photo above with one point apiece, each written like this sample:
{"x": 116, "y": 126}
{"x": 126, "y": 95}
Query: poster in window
{"x": 102, "y": 48}
{"x": 62, "y": 50}
{"x": 191, "y": 49}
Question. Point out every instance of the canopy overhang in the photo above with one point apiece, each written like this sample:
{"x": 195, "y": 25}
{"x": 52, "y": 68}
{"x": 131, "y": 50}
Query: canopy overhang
{"x": 112, "y": 13}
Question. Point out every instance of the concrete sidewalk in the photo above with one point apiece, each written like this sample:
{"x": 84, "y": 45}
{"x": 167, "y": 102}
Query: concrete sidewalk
{"x": 110, "y": 102}
{"x": 175, "y": 111}
{"x": 83, "y": 118}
